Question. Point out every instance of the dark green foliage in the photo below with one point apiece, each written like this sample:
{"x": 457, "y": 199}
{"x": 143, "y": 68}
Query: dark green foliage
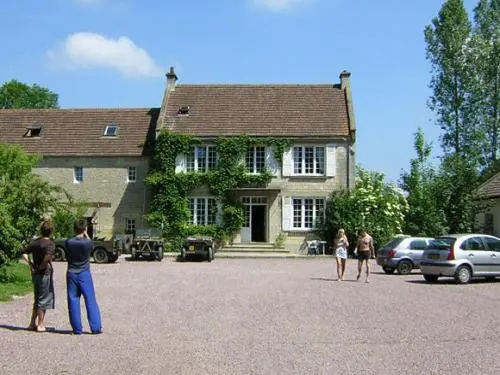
{"x": 15, "y": 94}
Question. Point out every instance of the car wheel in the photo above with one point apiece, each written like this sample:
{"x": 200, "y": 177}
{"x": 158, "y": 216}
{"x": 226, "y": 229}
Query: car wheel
{"x": 113, "y": 258}
{"x": 59, "y": 254}
{"x": 160, "y": 253}
{"x": 133, "y": 253}
{"x": 405, "y": 267}
{"x": 463, "y": 274}
{"x": 100, "y": 255}
{"x": 431, "y": 278}
{"x": 183, "y": 255}
{"x": 389, "y": 270}
{"x": 210, "y": 254}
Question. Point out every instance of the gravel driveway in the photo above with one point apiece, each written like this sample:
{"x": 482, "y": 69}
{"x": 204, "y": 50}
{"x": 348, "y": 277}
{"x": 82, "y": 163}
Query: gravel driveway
{"x": 260, "y": 316}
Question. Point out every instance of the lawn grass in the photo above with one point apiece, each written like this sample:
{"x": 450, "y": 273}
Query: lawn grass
{"x": 15, "y": 280}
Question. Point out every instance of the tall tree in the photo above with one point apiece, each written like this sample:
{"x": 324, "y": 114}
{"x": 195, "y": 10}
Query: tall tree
{"x": 424, "y": 218}
{"x": 486, "y": 68}
{"x": 15, "y": 94}
{"x": 447, "y": 40}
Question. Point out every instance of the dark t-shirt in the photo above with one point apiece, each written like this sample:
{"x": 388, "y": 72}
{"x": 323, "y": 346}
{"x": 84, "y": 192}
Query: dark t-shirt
{"x": 39, "y": 248}
{"x": 78, "y": 252}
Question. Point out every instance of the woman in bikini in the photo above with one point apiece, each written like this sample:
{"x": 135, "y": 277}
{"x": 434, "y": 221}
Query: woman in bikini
{"x": 341, "y": 245}
{"x": 365, "y": 252}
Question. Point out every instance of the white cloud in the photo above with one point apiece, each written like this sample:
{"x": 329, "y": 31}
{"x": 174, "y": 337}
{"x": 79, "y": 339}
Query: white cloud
{"x": 277, "y": 5}
{"x": 85, "y": 50}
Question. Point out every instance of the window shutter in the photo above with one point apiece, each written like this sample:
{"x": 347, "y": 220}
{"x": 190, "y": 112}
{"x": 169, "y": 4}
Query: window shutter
{"x": 287, "y": 213}
{"x": 180, "y": 163}
{"x": 218, "y": 218}
{"x": 331, "y": 160}
{"x": 271, "y": 162}
{"x": 287, "y": 163}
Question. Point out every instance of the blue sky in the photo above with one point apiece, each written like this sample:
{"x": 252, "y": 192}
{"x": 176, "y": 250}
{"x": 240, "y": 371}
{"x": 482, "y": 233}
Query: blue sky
{"x": 114, "y": 53}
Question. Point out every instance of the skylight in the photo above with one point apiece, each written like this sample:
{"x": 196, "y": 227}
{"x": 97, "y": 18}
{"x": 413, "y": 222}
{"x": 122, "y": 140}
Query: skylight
{"x": 184, "y": 110}
{"x": 111, "y": 130}
{"x": 33, "y": 131}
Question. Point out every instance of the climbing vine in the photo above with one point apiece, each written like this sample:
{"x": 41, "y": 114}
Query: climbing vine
{"x": 169, "y": 206}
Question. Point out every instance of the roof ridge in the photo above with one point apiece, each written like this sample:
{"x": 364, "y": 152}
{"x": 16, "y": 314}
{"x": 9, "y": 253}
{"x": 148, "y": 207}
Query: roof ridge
{"x": 238, "y": 85}
{"x": 77, "y": 109}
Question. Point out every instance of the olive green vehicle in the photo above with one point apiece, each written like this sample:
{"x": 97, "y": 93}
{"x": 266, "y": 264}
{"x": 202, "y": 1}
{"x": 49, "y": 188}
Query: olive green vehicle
{"x": 147, "y": 244}
{"x": 105, "y": 251}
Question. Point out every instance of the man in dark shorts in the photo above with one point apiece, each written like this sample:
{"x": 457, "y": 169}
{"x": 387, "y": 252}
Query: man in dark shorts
{"x": 365, "y": 252}
{"x": 79, "y": 280}
{"x": 42, "y": 250}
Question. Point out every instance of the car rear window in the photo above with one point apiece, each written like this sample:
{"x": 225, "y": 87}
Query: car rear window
{"x": 442, "y": 243}
{"x": 393, "y": 243}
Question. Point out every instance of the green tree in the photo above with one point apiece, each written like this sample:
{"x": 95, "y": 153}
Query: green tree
{"x": 373, "y": 205}
{"x": 424, "y": 218}
{"x": 25, "y": 199}
{"x": 448, "y": 50}
{"x": 455, "y": 189}
{"x": 15, "y": 94}
{"x": 486, "y": 68}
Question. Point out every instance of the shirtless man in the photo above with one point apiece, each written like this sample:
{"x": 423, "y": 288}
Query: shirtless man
{"x": 365, "y": 252}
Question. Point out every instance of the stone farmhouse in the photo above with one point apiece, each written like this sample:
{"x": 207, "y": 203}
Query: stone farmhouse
{"x": 489, "y": 192}
{"x": 101, "y": 156}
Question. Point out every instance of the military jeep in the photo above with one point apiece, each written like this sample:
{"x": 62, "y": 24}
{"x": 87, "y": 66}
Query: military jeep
{"x": 201, "y": 245}
{"x": 104, "y": 251}
{"x": 147, "y": 243}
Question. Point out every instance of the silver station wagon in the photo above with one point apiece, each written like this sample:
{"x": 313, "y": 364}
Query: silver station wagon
{"x": 462, "y": 256}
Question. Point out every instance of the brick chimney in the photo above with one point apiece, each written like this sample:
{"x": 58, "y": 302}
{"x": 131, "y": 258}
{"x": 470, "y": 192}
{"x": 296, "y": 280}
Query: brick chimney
{"x": 171, "y": 79}
{"x": 344, "y": 79}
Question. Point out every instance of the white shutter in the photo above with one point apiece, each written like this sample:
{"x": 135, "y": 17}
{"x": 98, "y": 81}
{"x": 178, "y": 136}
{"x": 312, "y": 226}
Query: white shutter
{"x": 287, "y": 212}
{"x": 271, "y": 162}
{"x": 218, "y": 218}
{"x": 180, "y": 163}
{"x": 287, "y": 163}
{"x": 331, "y": 160}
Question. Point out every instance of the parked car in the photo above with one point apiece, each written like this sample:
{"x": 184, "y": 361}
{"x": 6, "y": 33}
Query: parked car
{"x": 462, "y": 256}
{"x": 403, "y": 253}
{"x": 147, "y": 244}
{"x": 203, "y": 246}
{"x": 105, "y": 251}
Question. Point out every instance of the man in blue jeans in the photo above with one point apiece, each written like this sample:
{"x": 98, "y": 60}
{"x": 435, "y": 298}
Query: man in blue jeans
{"x": 79, "y": 280}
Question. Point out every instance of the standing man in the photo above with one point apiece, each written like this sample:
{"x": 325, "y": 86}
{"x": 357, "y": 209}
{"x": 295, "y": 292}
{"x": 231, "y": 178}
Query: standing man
{"x": 79, "y": 280}
{"x": 365, "y": 252}
{"x": 42, "y": 250}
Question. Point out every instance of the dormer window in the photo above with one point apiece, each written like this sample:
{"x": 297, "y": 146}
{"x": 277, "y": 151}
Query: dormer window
{"x": 184, "y": 110}
{"x": 111, "y": 130}
{"x": 33, "y": 131}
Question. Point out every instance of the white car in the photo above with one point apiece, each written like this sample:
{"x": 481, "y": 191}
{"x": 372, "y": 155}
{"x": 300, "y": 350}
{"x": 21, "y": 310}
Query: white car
{"x": 462, "y": 256}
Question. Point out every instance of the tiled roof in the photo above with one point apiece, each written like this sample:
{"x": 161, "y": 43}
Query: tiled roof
{"x": 80, "y": 132}
{"x": 491, "y": 188}
{"x": 260, "y": 110}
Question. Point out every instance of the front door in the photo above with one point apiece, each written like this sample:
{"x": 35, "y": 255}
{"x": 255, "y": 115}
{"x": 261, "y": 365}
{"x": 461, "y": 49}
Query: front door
{"x": 258, "y": 223}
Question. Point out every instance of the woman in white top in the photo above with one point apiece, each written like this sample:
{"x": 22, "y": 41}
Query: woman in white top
{"x": 341, "y": 245}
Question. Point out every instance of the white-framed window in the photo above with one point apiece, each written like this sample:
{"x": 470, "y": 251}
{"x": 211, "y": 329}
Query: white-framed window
{"x": 256, "y": 159}
{"x": 131, "y": 174}
{"x": 306, "y": 212}
{"x": 201, "y": 159}
{"x": 203, "y": 211}
{"x": 78, "y": 175}
{"x": 130, "y": 226}
{"x": 309, "y": 160}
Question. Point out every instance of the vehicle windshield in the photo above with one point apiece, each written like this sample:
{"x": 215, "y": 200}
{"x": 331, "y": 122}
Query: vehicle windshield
{"x": 393, "y": 243}
{"x": 146, "y": 233}
{"x": 442, "y": 243}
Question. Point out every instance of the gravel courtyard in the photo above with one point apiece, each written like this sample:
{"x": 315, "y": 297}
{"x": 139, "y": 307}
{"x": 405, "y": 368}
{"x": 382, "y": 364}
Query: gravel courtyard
{"x": 260, "y": 316}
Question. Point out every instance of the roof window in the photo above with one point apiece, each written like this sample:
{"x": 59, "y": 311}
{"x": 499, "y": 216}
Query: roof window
{"x": 184, "y": 110}
{"x": 33, "y": 131}
{"x": 111, "y": 130}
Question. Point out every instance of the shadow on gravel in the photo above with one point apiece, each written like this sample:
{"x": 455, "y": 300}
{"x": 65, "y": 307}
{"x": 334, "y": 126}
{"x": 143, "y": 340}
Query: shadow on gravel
{"x": 450, "y": 281}
{"x": 322, "y": 279}
{"x": 49, "y": 329}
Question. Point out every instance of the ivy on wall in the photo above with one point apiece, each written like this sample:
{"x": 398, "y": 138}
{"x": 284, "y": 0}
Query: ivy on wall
{"x": 169, "y": 207}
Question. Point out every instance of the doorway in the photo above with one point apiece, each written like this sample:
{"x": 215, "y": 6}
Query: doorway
{"x": 258, "y": 224}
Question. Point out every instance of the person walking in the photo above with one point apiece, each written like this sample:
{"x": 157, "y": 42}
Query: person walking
{"x": 341, "y": 245}
{"x": 79, "y": 280}
{"x": 365, "y": 252}
{"x": 42, "y": 250}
